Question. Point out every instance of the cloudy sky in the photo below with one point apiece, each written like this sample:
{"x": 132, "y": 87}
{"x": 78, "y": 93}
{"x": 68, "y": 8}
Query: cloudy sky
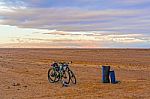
{"x": 75, "y": 23}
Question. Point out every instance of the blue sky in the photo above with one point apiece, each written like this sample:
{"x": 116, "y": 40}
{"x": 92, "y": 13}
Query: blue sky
{"x": 75, "y": 23}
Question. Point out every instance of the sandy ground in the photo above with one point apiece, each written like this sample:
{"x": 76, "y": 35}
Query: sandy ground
{"x": 23, "y": 74}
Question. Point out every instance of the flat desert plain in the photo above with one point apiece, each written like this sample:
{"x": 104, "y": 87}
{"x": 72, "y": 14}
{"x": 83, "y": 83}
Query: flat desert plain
{"x": 23, "y": 73}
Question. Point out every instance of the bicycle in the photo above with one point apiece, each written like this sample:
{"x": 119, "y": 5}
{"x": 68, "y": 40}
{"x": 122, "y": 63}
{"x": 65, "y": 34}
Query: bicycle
{"x": 60, "y": 72}
{"x": 72, "y": 75}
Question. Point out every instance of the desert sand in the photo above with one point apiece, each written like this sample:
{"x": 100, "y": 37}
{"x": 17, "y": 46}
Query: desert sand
{"x": 23, "y": 73}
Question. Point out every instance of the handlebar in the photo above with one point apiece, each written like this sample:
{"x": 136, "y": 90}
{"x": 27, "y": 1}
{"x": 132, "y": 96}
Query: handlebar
{"x": 61, "y": 62}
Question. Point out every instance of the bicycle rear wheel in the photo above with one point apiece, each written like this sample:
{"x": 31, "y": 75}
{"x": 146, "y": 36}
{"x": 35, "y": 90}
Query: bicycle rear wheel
{"x": 57, "y": 76}
{"x": 51, "y": 75}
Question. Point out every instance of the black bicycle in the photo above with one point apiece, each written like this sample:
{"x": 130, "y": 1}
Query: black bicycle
{"x": 60, "y": 71}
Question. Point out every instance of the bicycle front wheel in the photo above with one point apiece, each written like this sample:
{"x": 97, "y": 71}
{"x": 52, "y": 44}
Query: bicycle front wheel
{"x": 72, "y": 77}
{"x": 66, "y": 77}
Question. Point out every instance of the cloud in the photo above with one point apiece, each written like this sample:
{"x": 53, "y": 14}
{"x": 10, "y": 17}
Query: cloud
{"x": 133, "y": 1}
{"x": 70, "y": 18}
{"x": 55, "y": 44}
{"x": 102, "y": 36}
{"x": 73, "y": 19}
{"x": 76, "y": 44}
{"x": 79, "y": 23}
{"x": 76, "y": 3}
{"x": 62, "y": 39}
{"x": 57, "y": 33}
{"x": 95, "y": 37}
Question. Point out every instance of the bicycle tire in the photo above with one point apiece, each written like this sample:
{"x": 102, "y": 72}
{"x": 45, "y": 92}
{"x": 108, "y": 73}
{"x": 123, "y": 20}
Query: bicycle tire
{"x": 57, "y": 76}
{"x": 72, "y": 77}
{"x": 66, "y": 77}
{"x": 51, "y": 75}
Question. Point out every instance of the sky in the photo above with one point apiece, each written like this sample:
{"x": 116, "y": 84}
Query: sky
{"x": 74, "y": 24}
